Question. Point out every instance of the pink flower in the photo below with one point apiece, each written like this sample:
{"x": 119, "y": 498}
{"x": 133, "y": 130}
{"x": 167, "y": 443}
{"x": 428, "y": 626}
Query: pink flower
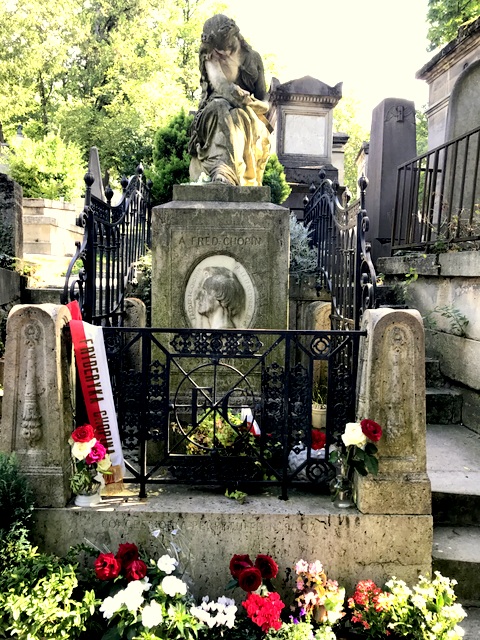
{"x": 96, "y": 454}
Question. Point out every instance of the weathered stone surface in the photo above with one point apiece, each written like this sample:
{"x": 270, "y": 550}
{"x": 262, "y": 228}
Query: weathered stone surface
{"x": 11, "y": 227}
{"x": 392, "y": 392}
{"x": 471, "y": 409}
{"x": 459, "y": 357}
{"x": 464, "y": 264}
{"x": 425, "y": 265}
{"x": 251, "y": 239}
{"x": 37, "y": 404}
{"x": 218, "y": 192}
{"x": 352, "y": 546}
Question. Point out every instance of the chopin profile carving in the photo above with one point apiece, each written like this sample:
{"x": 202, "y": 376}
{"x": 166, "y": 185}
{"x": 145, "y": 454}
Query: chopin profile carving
{"x": 221, "y": 298}
{"x": 230, "y": 132}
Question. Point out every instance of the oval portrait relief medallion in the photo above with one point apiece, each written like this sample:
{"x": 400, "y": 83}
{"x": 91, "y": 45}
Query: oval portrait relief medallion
{"x": 220, "y": 295}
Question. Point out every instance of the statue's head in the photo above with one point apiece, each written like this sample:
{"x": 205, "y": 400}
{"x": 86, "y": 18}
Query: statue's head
{"x": 218, "y": 32}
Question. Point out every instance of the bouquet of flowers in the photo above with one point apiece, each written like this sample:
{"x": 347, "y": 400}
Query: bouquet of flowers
{"x": 427, "y": 611}
{"x": 359, "y": 454}
{"x": 147, "y": 602}
{"x": 262, "y": 604}
{"x": 317, "y": 597}
{"x": 90, "y": 461}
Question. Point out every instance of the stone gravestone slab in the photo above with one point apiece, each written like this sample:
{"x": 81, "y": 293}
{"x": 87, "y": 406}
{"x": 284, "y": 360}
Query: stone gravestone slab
{"x": 220, "y": 259}
{"x": 392, "y": 141}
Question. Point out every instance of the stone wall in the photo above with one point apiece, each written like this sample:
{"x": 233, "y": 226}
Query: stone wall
{"x": 11, "y": 229}
{"x": 448, "y": 283}
{"x": 50, "y": 227}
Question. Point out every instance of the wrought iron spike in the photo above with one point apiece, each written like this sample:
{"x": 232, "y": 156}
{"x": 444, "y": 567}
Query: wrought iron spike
{"x": 322, "y": 174}
{"x": 335, "y": 185}
{"x": 88, "y": 179}
{"x": 312, "y": 188}
{"x": 124, "y": 182}
{"x": 109, "y": 193}
{"x": 140, "y": 169}
{"x": 306, "y": 200}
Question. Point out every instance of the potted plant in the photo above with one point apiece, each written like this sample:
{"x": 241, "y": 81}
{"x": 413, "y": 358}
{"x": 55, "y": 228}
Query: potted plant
{"x": 319, "y": 406}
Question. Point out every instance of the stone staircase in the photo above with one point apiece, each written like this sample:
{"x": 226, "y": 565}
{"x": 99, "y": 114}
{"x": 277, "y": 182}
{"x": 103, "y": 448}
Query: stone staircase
{"x": 453, "y": 462}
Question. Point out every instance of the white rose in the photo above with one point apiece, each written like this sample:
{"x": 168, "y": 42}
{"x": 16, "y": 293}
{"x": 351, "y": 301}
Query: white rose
{"x": 173, "y": 585}
{"x": 152, "y": 615}
{"x": 80, "y": 450}
{"x": 105, "y": 464}
{"x": 354, "y": 435}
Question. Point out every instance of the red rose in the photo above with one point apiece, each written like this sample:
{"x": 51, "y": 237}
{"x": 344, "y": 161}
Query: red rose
{"x": 136, "y": 570}
{"x": 319, "y": 439}
{"x": 267, "y": 566}
{"x": 250, "y": 579}
{"x": 97, "y": 453}
{"x": 239, "y": 563}
{"x": 127, "y": 553}
{"x": 107, "y": 567}
{"x": 371, "y": 430}
{"x": 84, "y": 433}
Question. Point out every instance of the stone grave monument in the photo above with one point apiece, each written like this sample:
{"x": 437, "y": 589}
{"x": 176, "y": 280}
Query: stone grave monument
{"x": 221, "y": 249}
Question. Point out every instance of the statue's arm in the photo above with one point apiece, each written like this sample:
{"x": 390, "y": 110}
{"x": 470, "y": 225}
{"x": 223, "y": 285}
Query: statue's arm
{"x": 229, "y": 90}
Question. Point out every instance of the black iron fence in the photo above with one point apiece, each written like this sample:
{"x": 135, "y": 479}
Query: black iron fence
{"x": 344, "y": 265}
{"x": 437, "y": 202}
{"x": 115, "y": 237}
{"x": 230, "y": 407}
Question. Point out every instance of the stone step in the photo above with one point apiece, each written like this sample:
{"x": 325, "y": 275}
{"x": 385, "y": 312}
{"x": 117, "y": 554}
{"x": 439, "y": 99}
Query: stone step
{"x": 456, "y": 554}
{"x": 444, "y": 406}
{"x": 455, "y": 509}
{"x": 42, "y": 295}
{"x": 433, "y": 376}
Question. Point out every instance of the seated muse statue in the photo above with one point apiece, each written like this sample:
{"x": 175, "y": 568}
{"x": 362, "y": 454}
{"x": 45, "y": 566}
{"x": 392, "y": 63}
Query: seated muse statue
{"x": 230, "y": 134}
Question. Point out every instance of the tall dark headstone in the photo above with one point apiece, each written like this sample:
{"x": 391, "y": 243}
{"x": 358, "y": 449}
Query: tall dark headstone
{"x": 392, "y": 142}
{"x": 11, "y": 224}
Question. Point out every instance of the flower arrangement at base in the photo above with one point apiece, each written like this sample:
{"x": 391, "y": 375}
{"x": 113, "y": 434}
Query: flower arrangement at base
{"x": 91, "y": 462}
{"x": 145, "y": 602}
{"x": 359, "y": 454}
{"x": 427, "y": 611}
{"x": 317, "y": 598}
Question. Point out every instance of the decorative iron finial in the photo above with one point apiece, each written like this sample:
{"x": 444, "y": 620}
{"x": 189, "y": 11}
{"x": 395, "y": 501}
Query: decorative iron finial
{"x": 312, "y": 188}
{"x": 335, "y": 185}
{"x": 109, "y": 193}
{"x": 124, "y": 182}
{"x": 363, "y": 182}
{"x": 89, "y": 179}
{"x": 140, "y": 169}
{"x": 322, "y": 174}
{"x": 306, "y": 200}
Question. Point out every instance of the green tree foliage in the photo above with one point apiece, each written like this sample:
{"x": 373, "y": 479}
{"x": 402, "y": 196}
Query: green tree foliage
{"x": 47, "y": 168}
{"x": 274, "y": 177}
{"x": 344, "y": 121}
{"x": 170, "y": 157}
{"x": 421, "y": 127}
{"x": 106, "y": 72}
{"x": 445, "y": 17}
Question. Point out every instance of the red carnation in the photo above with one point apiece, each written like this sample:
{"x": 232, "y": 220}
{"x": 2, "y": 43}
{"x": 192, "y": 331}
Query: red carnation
{"x": 84, "y": 433}
{"x": 127, "y": 553}
{"x": 107, "y": 567}
{"x": 319, "y": 439}
{"x": 267, "y": 566}
{"x": 239, "y": 563}
{"x": 136, "y": 570}
{"x": 371, "y": 430}
{"x": 250, "y": 579}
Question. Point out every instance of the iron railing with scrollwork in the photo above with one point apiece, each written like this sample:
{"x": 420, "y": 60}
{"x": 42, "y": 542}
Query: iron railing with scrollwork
{"x": 344, "y": 264}
{"x": 179, "y": 395}
{"x": 437, "y": 203}
{"x": 115, "y": 237}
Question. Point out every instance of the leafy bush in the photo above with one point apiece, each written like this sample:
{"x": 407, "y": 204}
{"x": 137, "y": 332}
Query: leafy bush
{"x": 274, "y": 177}
{"x": 48, "y": 168}
{"x": 303, "y": 259}
{"x": 16, "y": 497}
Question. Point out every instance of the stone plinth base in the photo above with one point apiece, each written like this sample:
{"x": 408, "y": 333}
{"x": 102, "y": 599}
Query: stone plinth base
{"x": 351, "y": 546}
{"x": 407, "y": 494}
{"x": 223, "y": 232}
